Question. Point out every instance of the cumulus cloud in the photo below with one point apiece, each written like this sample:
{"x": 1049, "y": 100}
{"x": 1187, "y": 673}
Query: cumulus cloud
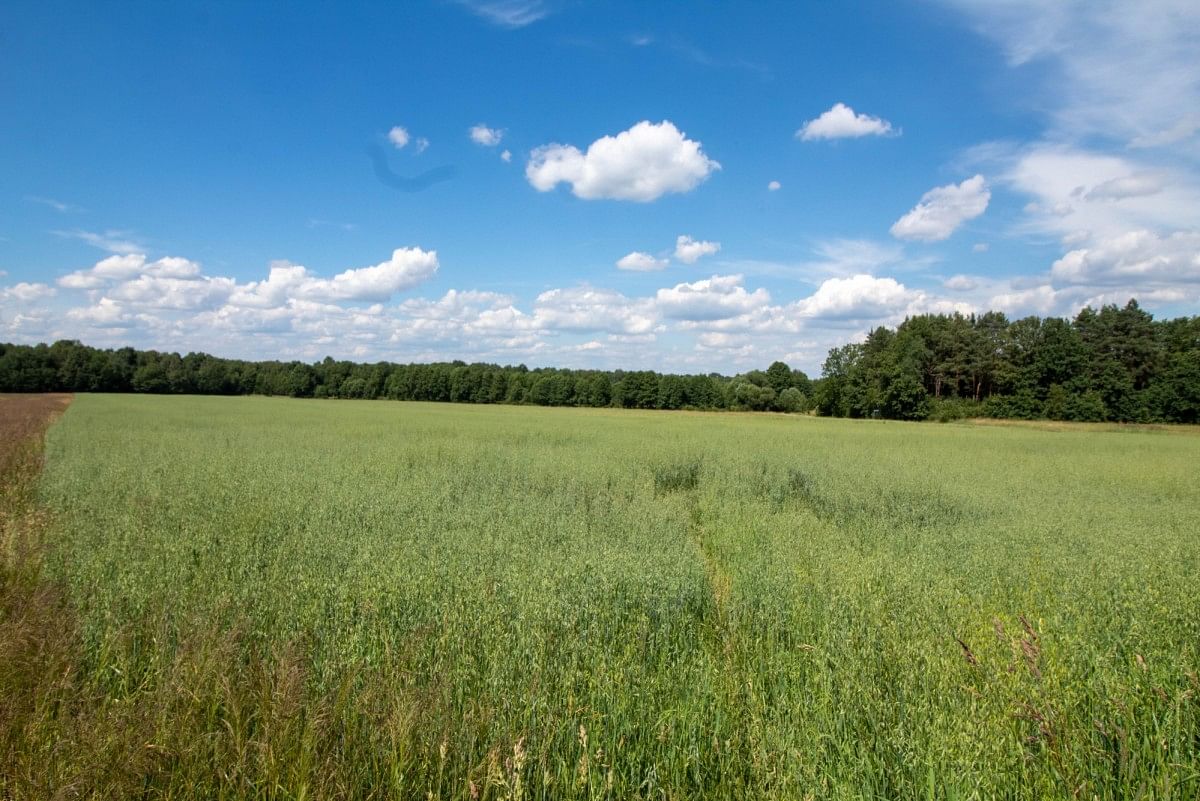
{"x": 153, "y": 291}
{"x": 506, "y": 156}
{"x": 640, "y": 164}
{"x": 638, "y": 261}
{"x": 689, "y": 250}
{"x": 1137, "y": 258}
{"x": 25, "y": 292}
{"x": 128, "y": 266}
{"x": 942, "y": 209}
{"x": 105, "y": 313}
{"x": 774, "y": 186}
{"x": 405, "y": 269}
{"x": 483, "y": 135}
{"x": 840, "y": 122}
{"x": 173, "y": 283}
{"x": 398, "y": 136}
{"x": 961, "y": 283}
{"x": 858, "y": 297}
{"x": 1042, "y": 299}
{"x": 589, "y": 309}
{"x": 715, "y": 298}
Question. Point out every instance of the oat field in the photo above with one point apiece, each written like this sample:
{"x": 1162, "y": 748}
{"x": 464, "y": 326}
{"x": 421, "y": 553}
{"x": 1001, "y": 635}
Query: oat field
{"x": 273, "y": 598}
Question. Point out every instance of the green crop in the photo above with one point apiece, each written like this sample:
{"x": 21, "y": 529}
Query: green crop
{"x": 507, "y": 602}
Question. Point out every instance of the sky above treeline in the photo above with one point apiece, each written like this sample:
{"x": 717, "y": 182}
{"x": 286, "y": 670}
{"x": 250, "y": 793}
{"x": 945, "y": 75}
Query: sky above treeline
{"x": 689, "y": 187}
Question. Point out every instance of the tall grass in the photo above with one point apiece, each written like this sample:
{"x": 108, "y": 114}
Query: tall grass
{"x": 284, "y": 599}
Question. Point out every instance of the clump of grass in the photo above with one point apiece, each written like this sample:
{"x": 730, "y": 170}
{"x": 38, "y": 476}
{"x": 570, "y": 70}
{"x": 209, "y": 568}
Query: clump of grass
{"x": 677, "y": 476}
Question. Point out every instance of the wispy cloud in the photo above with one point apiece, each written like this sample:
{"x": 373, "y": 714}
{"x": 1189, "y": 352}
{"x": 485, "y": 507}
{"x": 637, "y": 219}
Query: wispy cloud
{"x": 693, "y": 53}
{"x": 1104, "y": 55}
{"x": 120, "y": 242}
{"x": 319, "y": 223}
{"x": 510, "y": 14}
{"x": 57, "y": 205}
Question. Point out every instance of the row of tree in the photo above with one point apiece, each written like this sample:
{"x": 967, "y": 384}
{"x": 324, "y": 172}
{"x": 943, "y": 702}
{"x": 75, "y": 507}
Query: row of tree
{"x": 1112, "y": 364}
{"x": 68, "y": 366}
{"x": 1115, "y": 364}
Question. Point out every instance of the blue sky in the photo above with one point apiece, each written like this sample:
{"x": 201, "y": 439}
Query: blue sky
{"x": 687, "y": 187}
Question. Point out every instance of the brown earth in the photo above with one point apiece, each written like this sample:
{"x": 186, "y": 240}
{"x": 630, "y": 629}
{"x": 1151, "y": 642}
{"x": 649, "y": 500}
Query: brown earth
{"x": 23, "y": 420}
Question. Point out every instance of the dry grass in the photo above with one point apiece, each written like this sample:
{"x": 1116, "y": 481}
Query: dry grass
{"x": 1067, "y": 425}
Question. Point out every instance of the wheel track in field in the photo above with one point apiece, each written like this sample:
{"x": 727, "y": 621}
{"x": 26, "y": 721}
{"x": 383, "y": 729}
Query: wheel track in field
{"x": 723, "y": 639}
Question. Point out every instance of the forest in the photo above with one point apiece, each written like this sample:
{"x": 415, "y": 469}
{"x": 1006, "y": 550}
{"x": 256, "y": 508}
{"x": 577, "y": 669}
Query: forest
{"x": 1112, "y": 364}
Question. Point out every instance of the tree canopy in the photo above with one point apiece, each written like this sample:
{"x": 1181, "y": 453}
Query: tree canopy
{"x": 1111, "y": 364}
{"x": 1115, "y": 364}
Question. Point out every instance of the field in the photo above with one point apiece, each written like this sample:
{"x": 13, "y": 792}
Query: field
{"x": 295, "y": 599}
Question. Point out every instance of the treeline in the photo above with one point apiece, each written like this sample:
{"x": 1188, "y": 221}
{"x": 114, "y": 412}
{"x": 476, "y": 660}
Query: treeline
{"x": 1115, "y": 364}
{"x": 68, "y": 366}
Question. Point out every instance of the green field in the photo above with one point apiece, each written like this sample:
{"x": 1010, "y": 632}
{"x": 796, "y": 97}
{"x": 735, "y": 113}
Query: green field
{"x": 502, "y": 602}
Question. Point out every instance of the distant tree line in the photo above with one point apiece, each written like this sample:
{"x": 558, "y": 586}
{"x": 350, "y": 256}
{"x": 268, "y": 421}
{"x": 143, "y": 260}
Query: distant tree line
{"x": 1115, "y": 364}
{"x": 68, "y": 366}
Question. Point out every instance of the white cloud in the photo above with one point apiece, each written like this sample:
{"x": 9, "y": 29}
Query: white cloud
{"x": 715, "y": 298}
{"x": 421, "y": 145}
{"x": 1127, "y": 186}
{"x": 506, "y": 156}
{"x": 774, "y": 186}
{"x": 150, "y": 291}
{"x": 961, "y": 283}
{"x": 640, "y": 164}
{"x": 1084, "y": 193}
{"x": 508, "y": 13}
{"x": 1137, "y": 259}
{"x": 283, "y": 281}
{"x": 405, "y": 269}
{"x": 588, "y": 308}
{"x": 127, "y": 266}
{"x": 398, "y": 136}
{"x": 717, "y": 340}
{"x": 105, "y": 313}
{"x": 173, "y": 283}
{"x": 942, "y": 209}
{"x": 859, "y": 297}
{"x": 57, "y": 205}
{"x": 25, "y": 292}
{"x": 1042, "y": 300}
{"x": 840, "y": 122}
{"x": 689, "y": 250}
{"x": 980, "y": 247}
{"x": 112, "y": 241}
{"x": 483, "y": 135}
{"x": 1101, "y": 56}
{"x": 844, "y": 257}
{"x": 638, "y": 261}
